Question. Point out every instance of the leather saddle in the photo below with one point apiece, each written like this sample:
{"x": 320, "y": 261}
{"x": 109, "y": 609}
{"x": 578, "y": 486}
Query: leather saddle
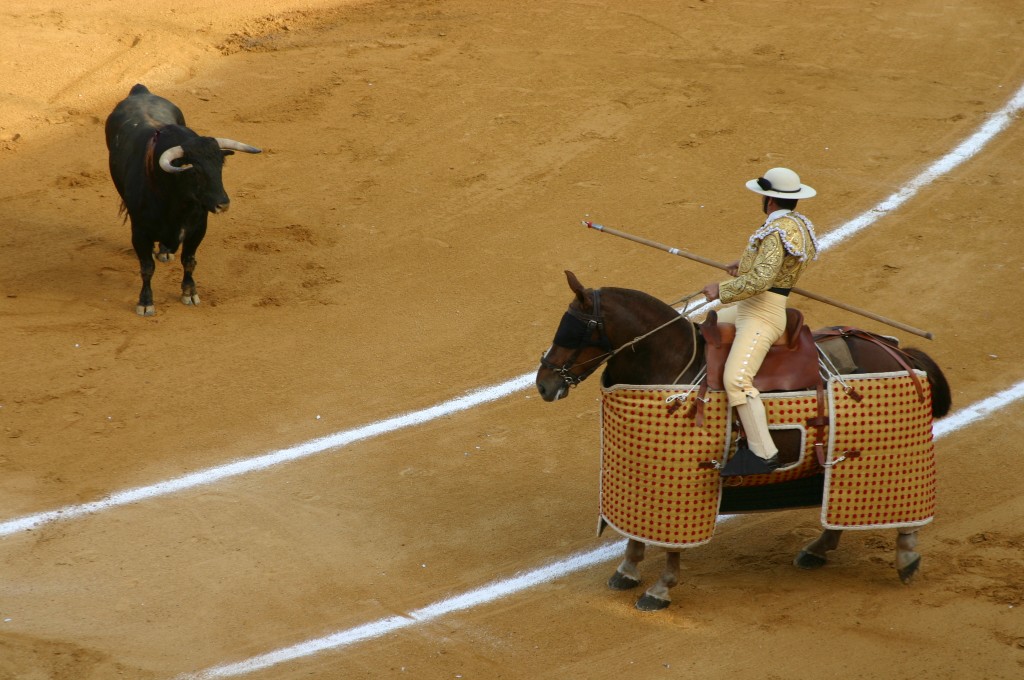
{"x": 791, "y": 363}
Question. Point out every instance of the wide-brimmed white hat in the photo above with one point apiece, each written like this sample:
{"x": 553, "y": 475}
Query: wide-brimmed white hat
{"x": 780, "y": 183}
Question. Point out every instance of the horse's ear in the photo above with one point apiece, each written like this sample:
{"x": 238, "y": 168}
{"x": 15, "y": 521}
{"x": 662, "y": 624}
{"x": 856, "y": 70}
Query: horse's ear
{"x": 577, "y": 287}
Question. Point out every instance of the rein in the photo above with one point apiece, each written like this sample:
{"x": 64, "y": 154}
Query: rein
{"x": 580, "y": 337}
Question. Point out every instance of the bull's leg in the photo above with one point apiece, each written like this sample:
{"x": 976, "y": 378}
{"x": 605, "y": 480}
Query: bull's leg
{"x": 657, "y": 596}
{"x": 815, "y": 553}
{"x": 144, "y": 250}
{"x": 907, "y": 560}
{"x": 628, "y": 574}
{"x": 189, "y": 296}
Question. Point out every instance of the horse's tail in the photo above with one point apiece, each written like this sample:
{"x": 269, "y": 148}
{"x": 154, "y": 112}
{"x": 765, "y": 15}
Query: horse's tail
{"x": 942, "y": 398}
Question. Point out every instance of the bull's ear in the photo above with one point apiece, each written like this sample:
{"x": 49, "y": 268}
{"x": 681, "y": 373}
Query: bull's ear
{"x": 227, "y": 152}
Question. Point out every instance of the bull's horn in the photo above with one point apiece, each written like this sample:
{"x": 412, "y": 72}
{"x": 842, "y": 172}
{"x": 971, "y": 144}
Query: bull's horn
{"x": 225, "y": 143}
{"x": 172, "y": 154}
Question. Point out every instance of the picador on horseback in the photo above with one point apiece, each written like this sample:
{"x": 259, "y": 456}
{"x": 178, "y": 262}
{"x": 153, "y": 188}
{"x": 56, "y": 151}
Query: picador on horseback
{"x": 776, "y": 255}
{"x": 850, "y": 411}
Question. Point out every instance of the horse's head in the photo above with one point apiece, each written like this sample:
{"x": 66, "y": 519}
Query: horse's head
{"x": 580, "y": 346}
{"x": 662, "y": 345}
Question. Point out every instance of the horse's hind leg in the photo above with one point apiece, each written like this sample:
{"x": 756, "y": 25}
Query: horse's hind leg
{"x": 907, "y": 560}
{"x": 628, "y": 574}
{"x": 815, "y": 554}
{"x": 657, "y": 596}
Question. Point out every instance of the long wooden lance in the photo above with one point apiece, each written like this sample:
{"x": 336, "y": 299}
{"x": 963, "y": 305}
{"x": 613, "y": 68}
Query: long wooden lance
{"x": 800, "y": 291}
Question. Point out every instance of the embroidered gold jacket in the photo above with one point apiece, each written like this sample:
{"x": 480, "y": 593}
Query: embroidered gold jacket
{"x": 776, "y": 255}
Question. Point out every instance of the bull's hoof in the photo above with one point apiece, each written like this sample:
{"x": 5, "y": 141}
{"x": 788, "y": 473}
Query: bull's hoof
{"x": 649, "y": 603}
{"x": 165, "y": 256}
{"x": 190, "y": 299}
{"x": 145, "y": 310}
{"x": 806, "y": 560}
{"x": 907, "y": 572}
{"x": 620, "y": 581}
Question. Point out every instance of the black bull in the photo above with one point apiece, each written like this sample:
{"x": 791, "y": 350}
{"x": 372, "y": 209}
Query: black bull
{"x": 169, "y": 179}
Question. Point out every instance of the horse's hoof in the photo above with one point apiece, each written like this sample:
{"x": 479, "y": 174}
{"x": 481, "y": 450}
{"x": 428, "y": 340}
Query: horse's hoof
{"x": 806, "y": 560}
{"x": 907, "y": 572}
{"x": 649, "y": 603}
{"x": 620, "y": 581}
{"x": 190, "y": 299}
{"x": 145, "y": 310}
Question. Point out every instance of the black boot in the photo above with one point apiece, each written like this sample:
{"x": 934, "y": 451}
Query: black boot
{"x": 746, "y": 462}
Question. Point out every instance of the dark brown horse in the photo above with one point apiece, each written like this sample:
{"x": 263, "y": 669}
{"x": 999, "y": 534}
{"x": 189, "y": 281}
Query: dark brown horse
{"x": 598, "y": 329}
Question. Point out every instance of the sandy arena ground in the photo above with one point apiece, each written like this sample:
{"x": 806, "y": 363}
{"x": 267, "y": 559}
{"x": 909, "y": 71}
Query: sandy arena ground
{"x": 401, "y": 242}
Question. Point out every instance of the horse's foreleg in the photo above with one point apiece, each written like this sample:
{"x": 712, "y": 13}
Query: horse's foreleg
{"x": 628, "y": 574}
{"x": 815, "y": 554}
{"x": 907, "y": 560}
{"x": 657, "y": 596}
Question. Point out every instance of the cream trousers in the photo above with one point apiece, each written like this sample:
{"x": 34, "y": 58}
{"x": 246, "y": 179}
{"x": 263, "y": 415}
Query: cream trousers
{"x": 760, "y": 321}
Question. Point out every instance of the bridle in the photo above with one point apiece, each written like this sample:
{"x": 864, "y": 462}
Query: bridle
{"x": 575, "y": 332}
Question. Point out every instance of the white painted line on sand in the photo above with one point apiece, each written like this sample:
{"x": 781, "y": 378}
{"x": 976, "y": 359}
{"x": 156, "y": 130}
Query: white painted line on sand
{"x": 376, "y": 629}
{"x": 968, "y": 148}
{"x": 245, "y": 466}
{"x": 978, "y": 411}
{"x": 500, "y": 589}
{"x": 995, "y": 124}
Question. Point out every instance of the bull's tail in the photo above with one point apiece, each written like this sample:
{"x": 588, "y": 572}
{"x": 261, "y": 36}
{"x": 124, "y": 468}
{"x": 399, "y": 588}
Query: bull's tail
{"x": 942, "y": 397}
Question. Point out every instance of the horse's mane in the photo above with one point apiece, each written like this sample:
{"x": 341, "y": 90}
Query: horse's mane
{"x": 662, "y": 308}
{"x": 667, "y": 339}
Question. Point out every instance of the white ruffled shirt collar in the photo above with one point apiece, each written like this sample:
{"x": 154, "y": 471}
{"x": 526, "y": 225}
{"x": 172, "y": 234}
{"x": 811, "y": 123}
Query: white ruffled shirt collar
{"x": 796, "y": 249}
